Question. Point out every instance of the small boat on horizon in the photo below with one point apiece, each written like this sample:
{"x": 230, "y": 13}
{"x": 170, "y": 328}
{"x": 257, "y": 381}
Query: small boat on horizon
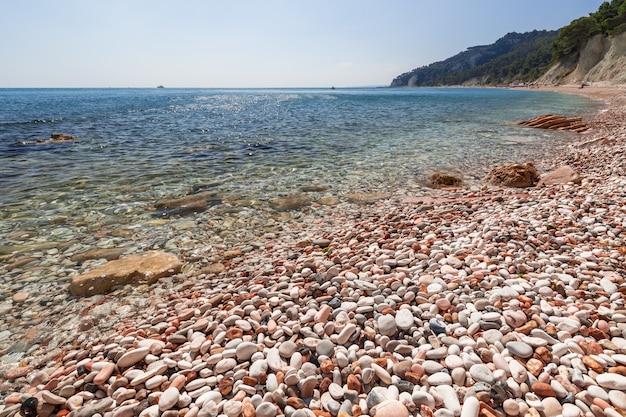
{"x": 160, "y": 86}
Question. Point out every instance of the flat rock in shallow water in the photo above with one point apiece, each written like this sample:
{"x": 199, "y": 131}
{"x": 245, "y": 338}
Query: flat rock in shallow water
{"x": 144, "y": 268}
{"x": 366, "y": 198}
{"x": 192, "y": 203}
{"x": 290, "y": 202}
{"x": 109, "y": 254}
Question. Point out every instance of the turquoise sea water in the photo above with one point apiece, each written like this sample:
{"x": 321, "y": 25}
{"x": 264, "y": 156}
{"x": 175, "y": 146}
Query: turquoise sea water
{"x": 137, "y": 146}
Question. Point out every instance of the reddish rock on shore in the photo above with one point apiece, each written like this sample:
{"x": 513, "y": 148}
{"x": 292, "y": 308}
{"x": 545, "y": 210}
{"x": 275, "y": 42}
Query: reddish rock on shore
{"x": 561, "y": 175}
{"x": 439, "y": 180}
{"x": 513, "y": 175}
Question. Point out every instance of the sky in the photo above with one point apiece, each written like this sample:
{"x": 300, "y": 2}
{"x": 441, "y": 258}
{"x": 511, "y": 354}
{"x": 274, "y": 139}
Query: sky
{"x": 251, "y": 43}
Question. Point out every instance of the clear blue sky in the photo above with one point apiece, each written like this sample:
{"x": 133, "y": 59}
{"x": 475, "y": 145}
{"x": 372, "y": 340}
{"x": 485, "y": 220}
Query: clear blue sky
{"x": 251, "y": 43}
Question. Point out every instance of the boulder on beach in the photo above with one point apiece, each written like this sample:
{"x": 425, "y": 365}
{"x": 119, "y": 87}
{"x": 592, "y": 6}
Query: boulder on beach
{"x": 513, "y": 175}
{"x": 554, "y": 122}
{"x": 439, "y": 180}
{"x": 144, "y": 268}
{"x": 562, "y": 175}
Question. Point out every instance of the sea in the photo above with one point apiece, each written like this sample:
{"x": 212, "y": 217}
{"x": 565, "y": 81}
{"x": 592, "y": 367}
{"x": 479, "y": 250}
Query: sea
{"x": 136, "y": 147}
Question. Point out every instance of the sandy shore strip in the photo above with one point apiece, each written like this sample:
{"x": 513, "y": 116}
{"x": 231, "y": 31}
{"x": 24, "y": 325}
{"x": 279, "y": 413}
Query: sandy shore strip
{"x": 498, "y": 302}
{"x": 613, "y": 94}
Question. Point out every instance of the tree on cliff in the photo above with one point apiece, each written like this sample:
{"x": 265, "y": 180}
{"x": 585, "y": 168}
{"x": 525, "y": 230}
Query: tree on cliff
{"x": 519, "y": 57}
{"x": 610, "y": 19}
{"x": 572, "y": 36}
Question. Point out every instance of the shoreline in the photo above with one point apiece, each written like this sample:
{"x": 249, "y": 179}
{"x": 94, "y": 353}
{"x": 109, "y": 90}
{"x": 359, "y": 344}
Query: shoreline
{"x": 464, "y": 270}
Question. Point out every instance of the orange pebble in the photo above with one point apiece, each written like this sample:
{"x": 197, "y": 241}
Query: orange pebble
{"x": 59, "y": 372}
{"x": 128, "y": 331}
{"x": 543, "y": 389}
{"x": 12, "y": 399}
{"x": 601, "y": 403}
{"x": 620, "y": 369}
{"x": 179, "y": 382}
{"x": 354, "y": 383}
{"x": 418, "y": 369}
{"x": 248, "y": 410}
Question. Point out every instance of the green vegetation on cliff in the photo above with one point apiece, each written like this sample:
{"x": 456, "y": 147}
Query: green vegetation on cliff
{"x": 610, "y": 19}
{"x": 518, "y": 57}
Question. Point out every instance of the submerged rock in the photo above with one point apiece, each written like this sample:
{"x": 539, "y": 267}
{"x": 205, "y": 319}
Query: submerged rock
{"x": 143, "y": 268}
{"x": 189, "y": 204}
{"x": 439, "y": 180}
{"x": 109, "y": 254}
{"x": 366, "y": 198}
{"x": 54, "y": 138}
{"x": 290, "y": 202}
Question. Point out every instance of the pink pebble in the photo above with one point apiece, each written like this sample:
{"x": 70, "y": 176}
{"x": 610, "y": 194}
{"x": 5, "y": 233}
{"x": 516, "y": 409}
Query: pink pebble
{"x": 104, "y": 374}
{"x": 443, "y": 304}
{"x": 391, "y": 408}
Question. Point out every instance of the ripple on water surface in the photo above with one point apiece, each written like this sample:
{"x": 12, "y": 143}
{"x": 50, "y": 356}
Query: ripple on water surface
{"x": 137, "y": 147}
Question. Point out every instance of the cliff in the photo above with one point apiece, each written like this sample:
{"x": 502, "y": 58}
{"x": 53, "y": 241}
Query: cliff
{"x": 514, "y": 58}
{"x": 601, "y": 61}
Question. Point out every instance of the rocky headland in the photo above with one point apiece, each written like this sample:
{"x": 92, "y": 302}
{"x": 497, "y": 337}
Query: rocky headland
{"x": 484, "y": 302}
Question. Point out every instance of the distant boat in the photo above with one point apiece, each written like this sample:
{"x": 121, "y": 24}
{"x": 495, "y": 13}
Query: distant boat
{"x": 332, "y": 88}
{"x": 160, "y": 86}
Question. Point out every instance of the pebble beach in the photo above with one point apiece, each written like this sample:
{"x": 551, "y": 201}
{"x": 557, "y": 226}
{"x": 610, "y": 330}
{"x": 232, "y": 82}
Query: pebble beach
{"x": 471, "y": 301}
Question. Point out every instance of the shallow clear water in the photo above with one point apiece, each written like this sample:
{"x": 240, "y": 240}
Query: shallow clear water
{"x": 136, "y": 146}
